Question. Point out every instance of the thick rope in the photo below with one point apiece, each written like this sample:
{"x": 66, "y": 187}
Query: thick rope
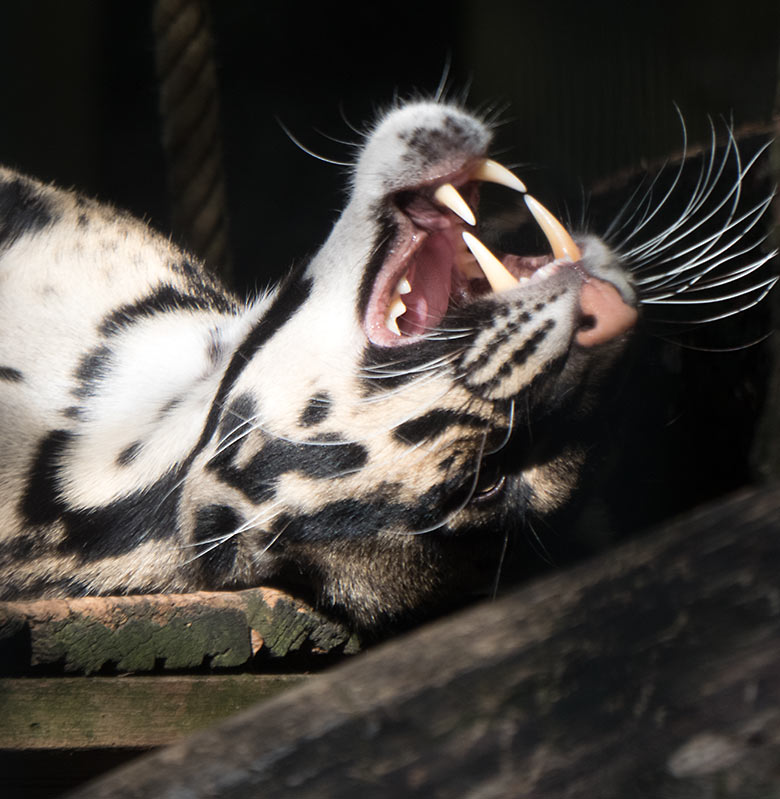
{"x": 189, "y": 109}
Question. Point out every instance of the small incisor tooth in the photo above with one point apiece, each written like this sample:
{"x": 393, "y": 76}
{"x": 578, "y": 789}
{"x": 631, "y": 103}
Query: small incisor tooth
{"x": 448, "y": 196}
{"x": 404, "y": 286}
{"x": 491, "y": 171}
{"x": 561, "y": 242}
{"x": 499, "y": 277}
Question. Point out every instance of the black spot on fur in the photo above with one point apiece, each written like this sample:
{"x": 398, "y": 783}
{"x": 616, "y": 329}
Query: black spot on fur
{"x": 10, "y": 374}
{"x": 129, "y": 454}
{"x": 170, "y": 405}
{"x": 92, "y": 369}
{"x": 435, "y": 144}
{"x": 216, "y": 349}
{"x": 241, "y": 411}
{"x": 40, "y": 501}
{"x": 72, "y": 412}
{"x": 217, "y": 561}
{"x": 23, "y": 209}
{"x": 431, "y": 424}
{"x": 317, "y": 410}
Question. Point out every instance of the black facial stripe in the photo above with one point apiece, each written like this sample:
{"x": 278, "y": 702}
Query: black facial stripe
{"x": 40, "y": 502}
{"x": 277, "y": 457}
{"x": 10, "y": 374}
{"x": 317, "y": 410}
{"x": 351, "y": 518}
{"x": 518, "y": 357}
{"x": 531, "y": 345}
{"x": 216, "y": 560}
{"x": 362, "y": 518}
{"x": 400, "y": 363}
{"x": 431, "y": 424}
{"x": 22, "y": 210}
{"x": 384, "y": 241}
{"x": 289, "y": 300}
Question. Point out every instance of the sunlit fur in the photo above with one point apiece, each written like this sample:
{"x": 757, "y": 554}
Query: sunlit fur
{"x": 159, "y": 434}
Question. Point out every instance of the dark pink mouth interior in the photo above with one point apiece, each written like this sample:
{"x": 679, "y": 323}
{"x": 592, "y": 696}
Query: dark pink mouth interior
{"x": 428, "y": 246}
{"x": 431, "y": 274}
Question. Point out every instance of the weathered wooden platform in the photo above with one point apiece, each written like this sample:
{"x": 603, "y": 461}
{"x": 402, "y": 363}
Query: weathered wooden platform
{"x": 94, "y": 681}
{"x": 164, "y": 632}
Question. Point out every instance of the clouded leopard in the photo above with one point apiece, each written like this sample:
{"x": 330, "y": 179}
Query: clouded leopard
{"x": 373, "y": 429}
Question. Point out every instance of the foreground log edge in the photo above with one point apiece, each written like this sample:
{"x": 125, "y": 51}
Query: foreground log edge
{"x": 653, "y": 671}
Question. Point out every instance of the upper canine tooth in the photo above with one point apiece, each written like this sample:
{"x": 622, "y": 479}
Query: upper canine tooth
{"x": 448, "y": 196}
{"x": 562, "y": 244}
{"x": 491, "y": 171}
{"x": 499, "y": 277}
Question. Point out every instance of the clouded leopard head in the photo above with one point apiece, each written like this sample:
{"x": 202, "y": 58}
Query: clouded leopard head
{"x": 409, "y": 404}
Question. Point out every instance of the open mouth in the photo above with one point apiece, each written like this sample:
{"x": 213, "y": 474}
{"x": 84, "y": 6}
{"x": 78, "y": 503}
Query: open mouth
{"x": 437, "y": 261}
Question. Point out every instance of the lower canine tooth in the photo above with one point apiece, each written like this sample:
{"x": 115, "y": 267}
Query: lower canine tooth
{"x": 561, "y": 242}
{"x": 499, "y": 277}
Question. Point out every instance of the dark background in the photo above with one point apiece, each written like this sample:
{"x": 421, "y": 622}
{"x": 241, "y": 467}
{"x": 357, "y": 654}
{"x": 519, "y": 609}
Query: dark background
{"x": 584, "y": 90}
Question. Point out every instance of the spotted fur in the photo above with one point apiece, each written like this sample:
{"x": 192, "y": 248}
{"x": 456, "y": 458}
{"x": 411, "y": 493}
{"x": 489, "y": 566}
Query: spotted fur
{"x": 160, "y": 434}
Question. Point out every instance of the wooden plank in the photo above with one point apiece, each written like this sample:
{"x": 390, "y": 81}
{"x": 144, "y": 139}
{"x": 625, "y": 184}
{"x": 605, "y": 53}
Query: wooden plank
{"x": 144, "y": 633}
{"x": 129, "y": 712}
{"x": 652, "y": 671}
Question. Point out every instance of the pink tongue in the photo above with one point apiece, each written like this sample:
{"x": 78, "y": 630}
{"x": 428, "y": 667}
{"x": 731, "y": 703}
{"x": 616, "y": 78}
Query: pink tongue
{"x": 431, "y": 277}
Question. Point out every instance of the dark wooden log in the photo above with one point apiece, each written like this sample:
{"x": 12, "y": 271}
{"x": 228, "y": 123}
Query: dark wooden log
{"x": 652, "y": 671}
